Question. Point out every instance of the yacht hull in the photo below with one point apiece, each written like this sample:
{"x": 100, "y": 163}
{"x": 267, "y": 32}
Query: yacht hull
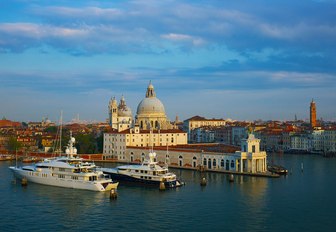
{"x": 130, "y": 179}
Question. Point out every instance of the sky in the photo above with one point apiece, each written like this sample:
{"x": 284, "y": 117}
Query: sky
{"x": 237, "y": 59}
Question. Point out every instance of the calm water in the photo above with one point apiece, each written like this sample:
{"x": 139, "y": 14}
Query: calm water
{"x": 299, "y": 202}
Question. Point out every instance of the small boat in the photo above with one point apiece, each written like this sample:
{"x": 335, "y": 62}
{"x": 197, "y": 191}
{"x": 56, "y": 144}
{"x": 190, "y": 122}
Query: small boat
{"x": 68, "y": 171}
{"x": 149, "y": 173}
{"x": 31, "y": 160}
{"x": 6, "y": 157}
{"x": 277, "y": 169}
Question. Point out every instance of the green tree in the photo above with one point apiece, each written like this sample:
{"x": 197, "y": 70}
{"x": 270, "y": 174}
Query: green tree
{"x": 13, "y": 144}
{"x": 85, "y": 144}
{"x": 51, "y": 129}
{"x": 100, "y": 143}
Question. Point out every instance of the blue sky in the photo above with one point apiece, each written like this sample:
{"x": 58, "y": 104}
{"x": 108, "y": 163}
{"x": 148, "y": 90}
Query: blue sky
{"x": 243, "y": 60}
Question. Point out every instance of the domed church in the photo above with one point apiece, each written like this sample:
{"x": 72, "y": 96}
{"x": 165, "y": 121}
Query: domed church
{"x": 151, "y": 112}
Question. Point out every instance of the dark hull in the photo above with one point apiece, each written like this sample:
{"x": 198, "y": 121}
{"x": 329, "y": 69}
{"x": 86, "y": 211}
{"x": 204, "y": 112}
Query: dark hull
{"x": 129, "y": 179}
{"x": 278, "y": 170}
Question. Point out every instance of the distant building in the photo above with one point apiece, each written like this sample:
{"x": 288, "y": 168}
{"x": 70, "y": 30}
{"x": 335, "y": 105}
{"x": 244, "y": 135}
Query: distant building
{"x": 4, "y": 123}
{"x": 198, "y": 121}
{"x": 312, "y": 114}
{"x": 238, "y": 133}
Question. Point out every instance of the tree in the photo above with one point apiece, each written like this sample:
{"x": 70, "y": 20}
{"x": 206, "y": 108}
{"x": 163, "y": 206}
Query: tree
{"x": 13, "y": 144}
{"x": 86, "y": 144}
{"x": 51, "y": 129}
{"x": 100, "y": 143}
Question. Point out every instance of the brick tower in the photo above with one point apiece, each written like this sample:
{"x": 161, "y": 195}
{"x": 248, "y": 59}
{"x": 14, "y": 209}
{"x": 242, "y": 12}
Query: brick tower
{"x": 312, "y": 114}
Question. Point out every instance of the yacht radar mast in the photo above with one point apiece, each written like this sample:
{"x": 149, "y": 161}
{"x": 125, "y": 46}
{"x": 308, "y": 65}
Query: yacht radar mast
{"x": 71, "y": 151}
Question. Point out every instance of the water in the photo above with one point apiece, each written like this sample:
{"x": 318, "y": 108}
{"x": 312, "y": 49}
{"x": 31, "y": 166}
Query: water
{"x": 302, "y": 201}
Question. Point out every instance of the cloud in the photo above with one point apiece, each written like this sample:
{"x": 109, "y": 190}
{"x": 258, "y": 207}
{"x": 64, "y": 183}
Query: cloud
{"x": 142, "y": 27}
{"x": 184, "y": 38}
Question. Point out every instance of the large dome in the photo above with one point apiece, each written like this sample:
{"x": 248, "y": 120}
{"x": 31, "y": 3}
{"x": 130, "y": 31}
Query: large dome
{"x": 150, "y": 105}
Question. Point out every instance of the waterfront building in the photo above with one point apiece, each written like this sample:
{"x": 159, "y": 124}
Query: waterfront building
{"x": 317, "y": 140}
{"x": 312, "y": 114}
{"x": 213, "y": 156}
{"x": 301, "y": 142}
{"x": 250, "y": 158}
{"x": 329, "y": 137}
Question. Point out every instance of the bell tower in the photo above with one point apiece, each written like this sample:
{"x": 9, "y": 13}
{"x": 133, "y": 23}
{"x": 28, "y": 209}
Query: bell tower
{"x": 312, "y": 114}
{"x": 113, "y": 112}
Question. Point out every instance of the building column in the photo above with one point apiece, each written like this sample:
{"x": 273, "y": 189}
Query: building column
{"x": 241, "y": 165}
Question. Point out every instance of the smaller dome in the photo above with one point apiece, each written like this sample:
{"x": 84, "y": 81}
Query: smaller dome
{"x": 125, "y": 112}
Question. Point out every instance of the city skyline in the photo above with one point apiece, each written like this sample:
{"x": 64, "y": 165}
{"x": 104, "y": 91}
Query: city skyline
{"x": 241, "y": 60}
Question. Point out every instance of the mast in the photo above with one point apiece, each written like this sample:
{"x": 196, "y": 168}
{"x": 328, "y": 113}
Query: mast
{"x": 61, "y": 121}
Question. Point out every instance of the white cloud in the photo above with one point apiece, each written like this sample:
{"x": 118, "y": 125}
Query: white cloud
{"x": 183, "y": 38}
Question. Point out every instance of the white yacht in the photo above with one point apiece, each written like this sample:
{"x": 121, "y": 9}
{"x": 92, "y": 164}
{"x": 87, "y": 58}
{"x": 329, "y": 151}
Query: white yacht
{"x": 149, "y": 172}
{"x": 66, "y": 171}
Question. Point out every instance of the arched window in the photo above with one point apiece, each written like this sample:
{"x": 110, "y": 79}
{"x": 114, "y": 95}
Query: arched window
{"x": 204, "y": 161}
{"x": 141, "y": 124}
{"x": 180, "y": 161}
{"x": 194, "y": 162}
{"x": 227, "y": 165}
{"x": 209, "y": 163}
{"x": 222, "y": 163}
{"x": 214, "y": 162}
{"x": 232, "y": 164}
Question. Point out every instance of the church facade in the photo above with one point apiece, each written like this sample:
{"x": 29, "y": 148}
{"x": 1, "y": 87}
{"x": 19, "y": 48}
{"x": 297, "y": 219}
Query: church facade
{"x": 150, "y": 127}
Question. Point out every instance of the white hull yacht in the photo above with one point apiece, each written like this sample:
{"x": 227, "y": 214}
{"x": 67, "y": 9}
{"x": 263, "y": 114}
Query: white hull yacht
{"x": 66, "y": 171}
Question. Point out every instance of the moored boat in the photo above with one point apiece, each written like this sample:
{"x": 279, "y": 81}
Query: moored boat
{"x": 68, "y": 171}
{"x": 6, "y": 157}
{"x": 277, "y": 169}
{"x": 149, "y": 173}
